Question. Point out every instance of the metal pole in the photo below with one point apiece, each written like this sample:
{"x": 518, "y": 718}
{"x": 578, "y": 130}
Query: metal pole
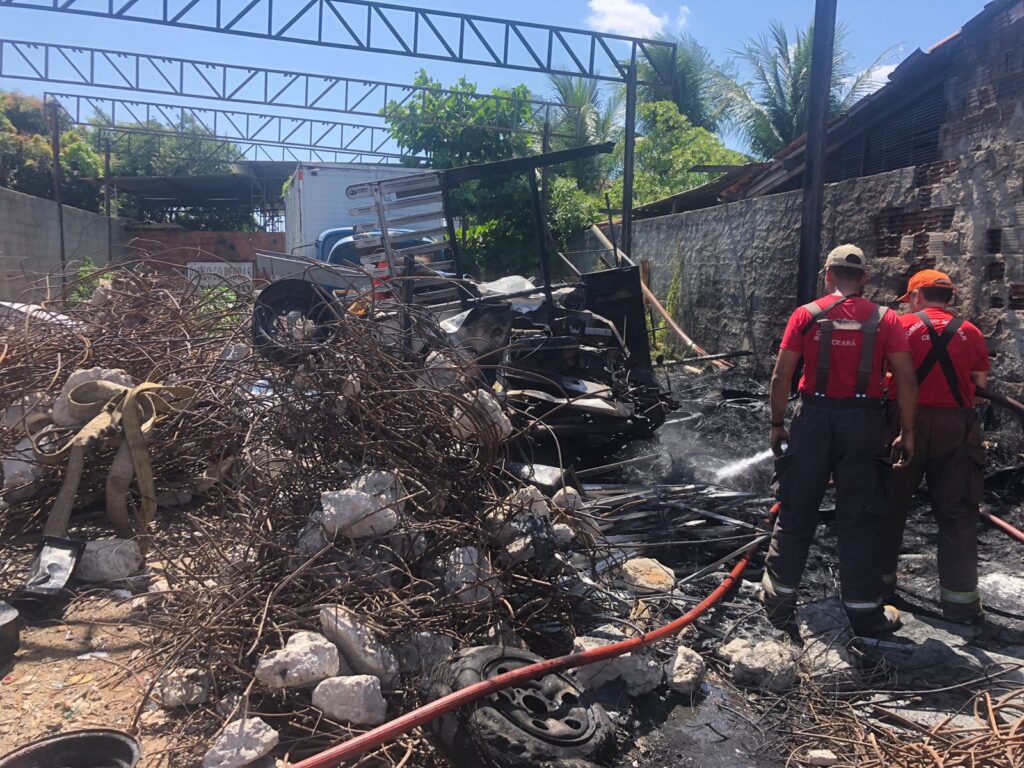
{"x": 545, "y": 148}
{"x": 55, "y": 148}
{"x": 819, "y": 90}
{"x": 542, "y": 242}
{"x": 106, "y": 201}
{"x": 627, "y": 159}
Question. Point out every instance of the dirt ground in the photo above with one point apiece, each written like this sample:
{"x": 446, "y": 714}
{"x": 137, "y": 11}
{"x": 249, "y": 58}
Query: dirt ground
{"x": 77, "y": 673}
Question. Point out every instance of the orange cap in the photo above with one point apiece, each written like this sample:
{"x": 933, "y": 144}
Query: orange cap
{"x": 927, "y": 278}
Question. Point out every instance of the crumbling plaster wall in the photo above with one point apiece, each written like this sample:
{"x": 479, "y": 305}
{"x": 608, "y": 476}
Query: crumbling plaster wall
{"x": 737, "y": 262}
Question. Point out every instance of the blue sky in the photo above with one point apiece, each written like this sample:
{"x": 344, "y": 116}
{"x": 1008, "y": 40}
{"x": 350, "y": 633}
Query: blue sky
{"x": 874, "y": 26}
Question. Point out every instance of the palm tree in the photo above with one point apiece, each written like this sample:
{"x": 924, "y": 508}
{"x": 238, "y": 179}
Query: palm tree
{"x": 771, "y": 111}
{"x": 589, "y": 116}
{"x": 700, "y": 89}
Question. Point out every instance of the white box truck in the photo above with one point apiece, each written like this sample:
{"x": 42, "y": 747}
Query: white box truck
{"x": 316, "y": 200}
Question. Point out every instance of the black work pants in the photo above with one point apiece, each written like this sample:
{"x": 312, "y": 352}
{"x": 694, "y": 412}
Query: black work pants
{"x": 844, "y": 441}
{"x": 948, "y": 453}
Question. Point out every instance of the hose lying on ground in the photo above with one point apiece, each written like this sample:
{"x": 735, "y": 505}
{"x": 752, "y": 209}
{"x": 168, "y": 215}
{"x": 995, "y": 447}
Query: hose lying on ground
{"x": 425, "y": 714}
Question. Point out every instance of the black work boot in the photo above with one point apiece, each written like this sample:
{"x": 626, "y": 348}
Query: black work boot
{"x": 888, "y": 623}
{"x": 780, "y": 608}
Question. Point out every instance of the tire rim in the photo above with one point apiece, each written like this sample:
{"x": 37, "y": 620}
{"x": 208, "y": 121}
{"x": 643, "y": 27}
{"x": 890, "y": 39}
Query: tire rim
{"x": 548, "y": 709}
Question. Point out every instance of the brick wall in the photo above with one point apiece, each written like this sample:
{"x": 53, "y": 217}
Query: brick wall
{"x": 179, "y": 246}
{"x": 985, "y": 90}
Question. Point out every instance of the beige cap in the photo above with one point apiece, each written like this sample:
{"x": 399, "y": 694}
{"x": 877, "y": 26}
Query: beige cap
{"x": 847, "y": 255}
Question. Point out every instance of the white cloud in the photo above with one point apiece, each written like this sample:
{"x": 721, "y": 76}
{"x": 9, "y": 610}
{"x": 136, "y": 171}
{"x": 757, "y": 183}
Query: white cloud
{"x": 683, "y": 17}
{"x": 625, "y": 17}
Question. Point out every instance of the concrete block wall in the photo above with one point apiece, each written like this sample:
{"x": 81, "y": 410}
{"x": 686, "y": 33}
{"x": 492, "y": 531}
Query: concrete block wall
{"x": 737, "y": 262}
{"x": 30, "y": 244}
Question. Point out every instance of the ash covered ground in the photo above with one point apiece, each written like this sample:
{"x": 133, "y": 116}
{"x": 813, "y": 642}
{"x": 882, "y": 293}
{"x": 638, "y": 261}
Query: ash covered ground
{"x": 719, "y": 436}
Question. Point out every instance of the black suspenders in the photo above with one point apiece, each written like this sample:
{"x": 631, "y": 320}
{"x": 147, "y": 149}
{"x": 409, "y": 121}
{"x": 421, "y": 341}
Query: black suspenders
{"x": 869, "y": 330}
{"x": 939, "y": 353}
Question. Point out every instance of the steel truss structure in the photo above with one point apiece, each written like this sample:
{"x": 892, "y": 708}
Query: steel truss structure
{"x": 193, "y": 78}
{"x": 244, "y": 127}
{"x": 369, "y": 26}
{"x": 232, "y": 151}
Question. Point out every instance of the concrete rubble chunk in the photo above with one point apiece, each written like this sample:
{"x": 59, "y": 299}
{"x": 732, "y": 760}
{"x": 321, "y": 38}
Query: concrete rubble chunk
{"x": 359, "y": 645}
{"x": 356, "y": 514}
{"x": 645, "y": 574}
{"x": 108, "y": 560}
{"x": 61, "y": 411}
{"x": 306, "y": 659}
{"x": 14, "y": 416}
{"x": 386, "y": 486}
{"x": 20, "y": 467}
{"x": 824, "y": 757}
{"x": 468, "y": 576}
{"x": 312, "y": 538}
{"x": 564, "y": 534}
{"x": 183, "y": 688}
{"x": 767, "y": 665}
{"x": 241, "y": 743}
{"x": 685, "y": 671}
{"x": 447, "y": 369}
{"x": 424, "y": 651}
{"x": 568, "y": 499}
{"x": 639, "y": 671}
{"x": 355, "y": 699}
{"x": 521, "y": 550}
{"x": 482, "y": 412}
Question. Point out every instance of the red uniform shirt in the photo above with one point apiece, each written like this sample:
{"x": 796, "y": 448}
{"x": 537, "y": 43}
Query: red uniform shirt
{"x": 846, "y": 346}
{"x": 967, "y": 350}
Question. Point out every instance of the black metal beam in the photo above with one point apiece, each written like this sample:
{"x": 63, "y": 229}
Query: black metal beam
{"x": 518, "y": 165}
{"x": 194, "y": 78}
{"x": 366, "y": 25}
{"x": 277, "y": 130}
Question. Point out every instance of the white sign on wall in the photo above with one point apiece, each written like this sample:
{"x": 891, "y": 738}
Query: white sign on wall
{"x": 213, "y": 273}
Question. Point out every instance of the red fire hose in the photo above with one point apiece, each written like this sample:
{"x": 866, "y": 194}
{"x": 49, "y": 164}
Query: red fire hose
{"x": 1004, "y": 526}
{"x": 419, "y": 717}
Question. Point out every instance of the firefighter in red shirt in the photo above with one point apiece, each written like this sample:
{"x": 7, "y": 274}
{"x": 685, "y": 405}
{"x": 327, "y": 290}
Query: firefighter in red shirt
{"x": 951, "y": 358}
{"x": 838, "y": 431}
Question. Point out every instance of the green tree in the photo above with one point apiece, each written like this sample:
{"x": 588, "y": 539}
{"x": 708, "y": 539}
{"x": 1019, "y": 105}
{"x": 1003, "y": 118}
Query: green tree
{"x": 26, "y": 155}
{"x": 457, "y": 130}
{"x": 590, "y": 115}
{"x": 771, "y": 110}
{"x": 700, "y": 89}
{"x": 668, "y": 150}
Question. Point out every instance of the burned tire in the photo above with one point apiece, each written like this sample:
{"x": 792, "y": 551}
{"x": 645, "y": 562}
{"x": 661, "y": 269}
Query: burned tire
{"x": 291, "y": 318}
{"x": 546, "y": 722}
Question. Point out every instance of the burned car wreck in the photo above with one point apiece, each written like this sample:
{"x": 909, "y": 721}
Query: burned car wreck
{"x": 572, "y": 359}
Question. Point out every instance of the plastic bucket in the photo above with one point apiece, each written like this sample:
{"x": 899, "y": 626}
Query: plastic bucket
{"x": 94, "y": 748}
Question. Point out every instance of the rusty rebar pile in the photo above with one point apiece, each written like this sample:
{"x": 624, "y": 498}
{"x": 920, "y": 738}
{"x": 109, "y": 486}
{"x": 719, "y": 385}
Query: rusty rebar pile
{"x": 257, "y": 447}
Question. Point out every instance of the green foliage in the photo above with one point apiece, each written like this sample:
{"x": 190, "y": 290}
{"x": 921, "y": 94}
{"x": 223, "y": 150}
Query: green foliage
{"x": 666, "y": 340}
{"x": 591, "y": 115}
{"x": 570, "y": 210}
{"x": 87, "y": 278}
{"x": 772, "y": 109}
{"x": 451, "y": 127}
{"x": 701, "y": 89}
{"x": 26, "y": 155}
{"x": 671, "y": 146}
